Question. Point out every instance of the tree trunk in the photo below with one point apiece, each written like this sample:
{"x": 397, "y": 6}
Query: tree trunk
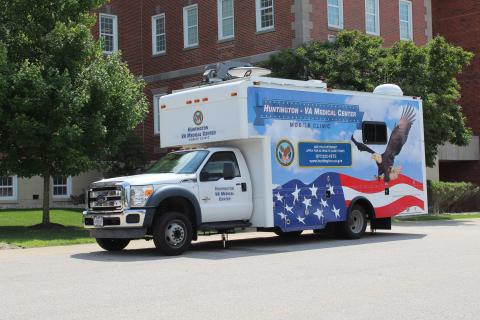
{"x": 46, "y": 198}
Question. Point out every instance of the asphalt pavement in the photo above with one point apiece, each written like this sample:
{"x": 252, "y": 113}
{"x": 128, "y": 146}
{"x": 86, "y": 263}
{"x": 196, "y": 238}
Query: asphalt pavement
{"x": 419, "y": 270}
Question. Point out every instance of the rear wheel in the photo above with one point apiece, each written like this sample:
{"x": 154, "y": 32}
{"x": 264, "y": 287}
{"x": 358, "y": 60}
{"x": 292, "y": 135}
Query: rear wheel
{"x": 172, "y": 233}
{"x": 355, "y": 225}
{"x": 112, "y": 244}
{"x": 289, "y": 234}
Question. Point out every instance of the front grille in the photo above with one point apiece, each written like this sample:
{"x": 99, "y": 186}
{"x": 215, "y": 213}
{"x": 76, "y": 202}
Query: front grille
{"x": 105, "y": 199}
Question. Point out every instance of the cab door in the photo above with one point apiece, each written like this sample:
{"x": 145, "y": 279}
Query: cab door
{"x": 221, "y": 199}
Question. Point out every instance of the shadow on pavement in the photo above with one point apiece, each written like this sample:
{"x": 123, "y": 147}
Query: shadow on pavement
{"x": 212, "y": 250}
{"x": 439, "y": 223}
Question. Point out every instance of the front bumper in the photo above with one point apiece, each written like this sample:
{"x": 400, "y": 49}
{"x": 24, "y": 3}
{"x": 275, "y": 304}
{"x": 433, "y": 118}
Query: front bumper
{"x": 128, "y": 218}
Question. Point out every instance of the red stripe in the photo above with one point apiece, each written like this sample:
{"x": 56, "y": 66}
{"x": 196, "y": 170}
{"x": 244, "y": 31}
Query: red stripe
{"x": 395, "y": 207}
{"x": 375, "y": 186}
{"x": 398, "y": 206}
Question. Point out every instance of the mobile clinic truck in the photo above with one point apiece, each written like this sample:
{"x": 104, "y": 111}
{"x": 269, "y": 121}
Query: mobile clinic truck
{"x": 277, "y": 155}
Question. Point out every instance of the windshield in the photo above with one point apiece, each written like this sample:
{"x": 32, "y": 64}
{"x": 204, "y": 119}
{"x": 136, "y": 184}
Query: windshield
{"x": 179, "y": 162}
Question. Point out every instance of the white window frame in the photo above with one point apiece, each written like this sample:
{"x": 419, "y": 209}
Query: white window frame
{"x": 156, "y": 113}
{"x": 410, "y": 20}
{"x": 259, "y": 10}
{"x": 186, "y": 27}
{"x": 14, "y": 190}
{"x": 221, "y": 18}
{"x": 115, "y": 30}
{"x": 69, "y": 189}
{"x": 340, "y": 14}
{"x": 155, "y": 33}
{"x": 376, "y": 16}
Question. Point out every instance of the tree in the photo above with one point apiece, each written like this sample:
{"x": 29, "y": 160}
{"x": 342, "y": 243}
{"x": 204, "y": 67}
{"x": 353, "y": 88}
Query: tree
{"x": 129, "y": 159}
{"x": 356, "y": 61}
{"x": 66, "y": 106}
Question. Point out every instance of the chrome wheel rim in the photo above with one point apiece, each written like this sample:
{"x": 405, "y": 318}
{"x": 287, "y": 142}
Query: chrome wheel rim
{"x": 175, "y": 233}
{"x": 356, "y": 221}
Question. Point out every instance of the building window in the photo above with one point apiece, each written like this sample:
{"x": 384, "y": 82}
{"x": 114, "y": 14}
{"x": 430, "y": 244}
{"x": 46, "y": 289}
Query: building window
{"x": 8, "y": 188}
{"x": 159, "y": 44}
{"x": 190, "y": 26}
{"x": 265, "y": 20}
{"x": 225, "y": 19}
{"x": 156, "y": 113}
{"x": 62, "y": 186}
{"x": 109, "y": 32}
{"x": 335, "y": 14}
{"x": 372, "y": 17}
{"x": 406, "y": 29}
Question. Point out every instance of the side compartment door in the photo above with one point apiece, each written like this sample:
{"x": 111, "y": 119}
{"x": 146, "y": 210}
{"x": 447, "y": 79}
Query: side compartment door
{"x": 221, "y": 199}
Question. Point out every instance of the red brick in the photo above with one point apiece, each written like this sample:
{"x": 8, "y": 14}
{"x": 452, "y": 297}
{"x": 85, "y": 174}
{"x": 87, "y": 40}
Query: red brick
{"x": 134, "y": 27}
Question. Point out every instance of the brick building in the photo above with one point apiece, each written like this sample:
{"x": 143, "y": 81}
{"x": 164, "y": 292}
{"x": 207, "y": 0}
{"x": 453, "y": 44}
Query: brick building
{"x": 168, "y": 43}
{"x": 459, "y": 22}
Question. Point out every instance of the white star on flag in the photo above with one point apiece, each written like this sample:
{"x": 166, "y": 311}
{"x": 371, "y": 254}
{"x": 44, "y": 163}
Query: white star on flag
{"x": 282, "y": 215}
{"x": 307, "y": 203}
{"x": 301, "y": 220}
{"x": 295, "y": 194}
{"x": 330, "y": 188}
{"x": 289, "y": 209}
{"x": 279, "y": 197}
{"x": 324, "y": 202}
{"x": 319, "y": 214}
{"x": 313, "y": 189}
{"x": 336, "y": 211}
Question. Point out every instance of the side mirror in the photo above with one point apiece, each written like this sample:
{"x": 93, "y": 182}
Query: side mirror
{"x": 204, "y": 176}
{"x": 228, "y": 171}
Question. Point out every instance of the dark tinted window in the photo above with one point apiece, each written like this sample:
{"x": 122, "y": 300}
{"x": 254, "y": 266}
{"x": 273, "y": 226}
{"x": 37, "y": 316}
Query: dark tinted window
{"x": 214, "y": 166}
{"x": 374, "y": 132}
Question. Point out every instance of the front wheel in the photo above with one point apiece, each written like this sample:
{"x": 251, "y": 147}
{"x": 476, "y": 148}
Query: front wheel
{"x": 356, "y": 224}
{"x": 112, "y": 244}
{"x": 172, "y": 233}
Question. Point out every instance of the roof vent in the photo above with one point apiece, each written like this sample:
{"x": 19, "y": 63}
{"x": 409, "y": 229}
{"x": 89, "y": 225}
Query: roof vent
{"x": 389, "y": 90}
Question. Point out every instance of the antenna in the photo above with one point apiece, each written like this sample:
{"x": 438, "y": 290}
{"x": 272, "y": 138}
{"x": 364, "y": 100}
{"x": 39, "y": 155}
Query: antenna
{"x": 223, "y": 71}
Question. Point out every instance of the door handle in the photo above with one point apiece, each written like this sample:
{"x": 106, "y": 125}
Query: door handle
{"x": 244, "y": 186}
{"x": 206, "y": 199}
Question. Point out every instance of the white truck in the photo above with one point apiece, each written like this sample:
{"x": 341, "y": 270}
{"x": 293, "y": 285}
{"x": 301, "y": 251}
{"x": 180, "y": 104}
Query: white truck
{"x": 272, "y": 154}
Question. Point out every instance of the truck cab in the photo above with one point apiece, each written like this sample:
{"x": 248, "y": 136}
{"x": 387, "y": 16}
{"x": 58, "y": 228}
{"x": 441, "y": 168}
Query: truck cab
{"x": 213, "y": 181}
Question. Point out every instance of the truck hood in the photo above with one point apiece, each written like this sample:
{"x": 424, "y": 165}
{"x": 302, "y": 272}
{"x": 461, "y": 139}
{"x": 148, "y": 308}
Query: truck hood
{"x": 149, "y": 178}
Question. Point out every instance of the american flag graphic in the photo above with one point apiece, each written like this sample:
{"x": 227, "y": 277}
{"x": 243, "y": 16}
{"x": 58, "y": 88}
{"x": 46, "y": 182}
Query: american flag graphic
{"x": 299, "y": 206}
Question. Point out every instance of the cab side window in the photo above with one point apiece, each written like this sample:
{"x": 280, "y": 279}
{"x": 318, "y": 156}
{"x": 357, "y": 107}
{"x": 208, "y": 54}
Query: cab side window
{"x": 213, "y": 169}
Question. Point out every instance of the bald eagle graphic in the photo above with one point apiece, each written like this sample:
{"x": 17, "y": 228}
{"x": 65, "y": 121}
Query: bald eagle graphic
{"x": 398, "y": 138}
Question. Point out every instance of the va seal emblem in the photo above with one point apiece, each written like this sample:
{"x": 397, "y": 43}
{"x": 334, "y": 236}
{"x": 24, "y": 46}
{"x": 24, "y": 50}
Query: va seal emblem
{"x": 285, "y": 153}
{"x": 198, "y": 118}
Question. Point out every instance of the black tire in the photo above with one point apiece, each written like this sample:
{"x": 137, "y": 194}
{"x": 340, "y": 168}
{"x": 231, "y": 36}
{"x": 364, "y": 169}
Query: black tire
{"x": 113, "y": 244}
{"x": 289, "y": 234}
{"x": 172, "y": 233}
{"x": 355, "y": 225}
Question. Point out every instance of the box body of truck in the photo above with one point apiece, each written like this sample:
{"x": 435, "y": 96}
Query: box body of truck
{"x": 311, "y": 152}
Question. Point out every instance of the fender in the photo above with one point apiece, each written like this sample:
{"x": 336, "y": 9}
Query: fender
{"x": 168, "y": 191}
{"x": 364, "y": 201}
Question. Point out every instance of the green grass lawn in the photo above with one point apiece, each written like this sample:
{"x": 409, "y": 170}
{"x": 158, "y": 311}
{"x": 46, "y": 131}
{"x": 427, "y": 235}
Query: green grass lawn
{"x": 16, "y": 228}
{"x": 433, "y": 217}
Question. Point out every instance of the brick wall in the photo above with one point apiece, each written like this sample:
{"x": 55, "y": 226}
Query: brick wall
{"x": 354, "y": 18}
{"x": 171, "y": 71}
{"x": 459, "y": 22}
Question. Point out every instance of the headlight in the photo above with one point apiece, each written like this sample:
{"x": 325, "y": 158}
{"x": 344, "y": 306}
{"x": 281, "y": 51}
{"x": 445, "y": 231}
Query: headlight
{"x": 139, "y": 195}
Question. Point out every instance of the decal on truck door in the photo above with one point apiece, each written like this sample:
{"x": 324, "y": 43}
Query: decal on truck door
{"x": 330, "y": 158}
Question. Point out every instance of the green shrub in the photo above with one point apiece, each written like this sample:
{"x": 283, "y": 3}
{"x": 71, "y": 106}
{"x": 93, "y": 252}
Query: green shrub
{"x": 449, "y": 197}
